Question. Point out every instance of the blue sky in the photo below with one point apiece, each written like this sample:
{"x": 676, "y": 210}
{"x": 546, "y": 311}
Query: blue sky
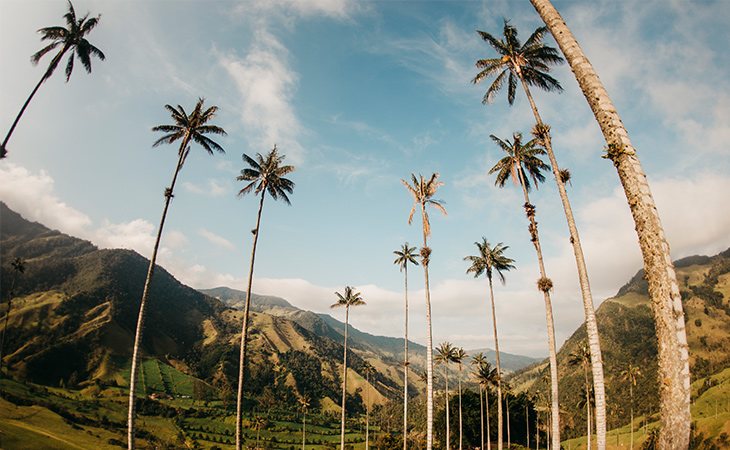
{"x": 358, "y": 95}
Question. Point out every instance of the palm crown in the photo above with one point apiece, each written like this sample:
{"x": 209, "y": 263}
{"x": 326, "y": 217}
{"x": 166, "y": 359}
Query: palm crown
{"x": 191, "y": 127}
{"x": 405, "y": 255}
{"x": 485, "y": 375}
{"x": 423, "y": 191}
{"x": 445, "y": 353}
{"x": 70, "y": 38}
{"x": 266, "y": 174}
{"x": 350, "y": 298}
{"x": 631, "y": 373}
{"x": 529, "y": 62}
{"x": 580, "y": 357}
{"x": 489, "y": 259}
{"x": 521, "y": 160}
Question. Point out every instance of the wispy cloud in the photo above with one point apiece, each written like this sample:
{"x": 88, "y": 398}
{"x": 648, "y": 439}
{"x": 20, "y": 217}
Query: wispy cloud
{"x": 217, "y": 240}
{"x": 213, "y": 188}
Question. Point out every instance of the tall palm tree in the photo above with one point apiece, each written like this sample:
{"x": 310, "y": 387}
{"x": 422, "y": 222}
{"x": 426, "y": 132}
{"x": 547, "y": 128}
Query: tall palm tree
{"x": 630, "y": 375}
{"x": 405, "y": 255}
{"x": 304, "y": 403}
{"x": 423, "y": 191}
{"x": 458, "y": 358}
{"x": 186, "y": 128}
{"x": 673, "y": 350}
{"x": 489, "y": 260}
{"x": 530, "y": 63}
{"x": 258, "y": 423}
{"x": 582, "y": 357}
{"x": 477, "y": 361}
{"x": 507, "y": 394}
{"x": 18, "y": 266}
{"x": 71, "y": 38}
{"x": 522, "y": 163}
{"x": 264, "y": 174}
{"x": 369, "y": 370}
{"x": 350, "y": 298}
{"x": 444, "y": 355}
{"x": 487, "y": 377}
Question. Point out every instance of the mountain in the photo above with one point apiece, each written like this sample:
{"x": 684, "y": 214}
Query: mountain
{"x": 509, "y": 362}
{"x": 626, "y": 328}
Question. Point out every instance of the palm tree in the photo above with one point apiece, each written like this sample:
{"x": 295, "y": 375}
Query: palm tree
{"x": 486, "y": 377}
{"x": 304, "y": 403}
{"x": 666, "y": 302}
{"x": 458, "y": 357}
{"x": 265, "y": 174}
{"x": 507, "y": 394}
{"x": 582, "y": 357}
{"x": 631, "y": 374}
{"x": 423, "y": 191}
{"x": 523, "y": 161}
{"x": 489, "y": 260}
{"x": 444, "y": 355}
{"x": 586, "y": 401}
{"x": 18, "y": 266}
{"x": 258, "y": 423}
{"x": 477, "y": 361}
{"x": 348, "y": 299}
{"x": 187, "y": 128}
{"x": 405, "y": 255}
{"x": 369, "y": 370}
{"x": 530, "y": 63}
{"x": 71, "y": 38}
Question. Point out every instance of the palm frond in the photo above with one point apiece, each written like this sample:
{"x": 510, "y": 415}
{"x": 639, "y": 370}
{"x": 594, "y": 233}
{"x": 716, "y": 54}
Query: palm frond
{"x": 55, "y": 33}
{"x": 167, "y": 139}
{"x": 89, "y": 24}
{"x": 494, "y": 42}
{"x": 69, "y": 66}
{"x": 40, "y": 53}
{"x": 82, "y": 51}
{"x": 495, "y": 87}
{"x": 247, "y": 189}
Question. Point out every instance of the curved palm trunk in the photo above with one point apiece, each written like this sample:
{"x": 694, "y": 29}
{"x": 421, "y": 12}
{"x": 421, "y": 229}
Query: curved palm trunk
{"x": 499, "y": 367}
{"x": 344, "y": 381}
{"x": 244, "y": 330}
{"x": 585, "y": 287}
{"x": 143, "y": 302}
{"x": 405, "y": 366}
{"x": 530, "y": 211}
{"x": 46, "y": 75}
{"x": 448, "y": 427}
{"x": 429, "y": 345}
{"x": 673, "y": 373}
{"x": 460, "y": 425}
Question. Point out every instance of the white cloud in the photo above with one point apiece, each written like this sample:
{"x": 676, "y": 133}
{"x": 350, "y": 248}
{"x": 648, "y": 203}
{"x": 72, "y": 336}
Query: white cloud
{"x": 217, "y": 240}
{"x": 213, "y": 188}
{"x": 335, "y": 9}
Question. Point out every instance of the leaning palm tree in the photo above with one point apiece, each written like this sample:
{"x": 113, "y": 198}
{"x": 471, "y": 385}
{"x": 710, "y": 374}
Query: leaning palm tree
{"x": 582, "y": 357}
{"x": 458, "y": 358}
{"x": 423, "y": 191}
{"x": 405, "y": 255}
{"x": 18, "y": 266}
{"x": 445, "y": 354}
{"x": 630, "y": 375}
{"x": 348, "y": 299}
{"x": 477, "y": 361}
{"x": 522, "y": 163}
{"x": 71, "y": 38}
{"x": 264, "y": 175}
{"x": 530, "y": 63}
{"x": 489, "y": 260}
{"x": 187, "y": 128}
{"x": 673, "y": 355}
{"x": 369, "y": 370}
{"x": 304, "y": 403}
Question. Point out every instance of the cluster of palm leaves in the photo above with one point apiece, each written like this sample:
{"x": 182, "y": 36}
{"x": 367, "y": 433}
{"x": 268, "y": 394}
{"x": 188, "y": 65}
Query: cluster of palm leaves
{"x": 527, "y": 64}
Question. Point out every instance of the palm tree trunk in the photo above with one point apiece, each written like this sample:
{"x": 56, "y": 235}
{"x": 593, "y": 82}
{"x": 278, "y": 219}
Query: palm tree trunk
{"x": 244, "y": 330}
{"x": 344, "y": 381}
{"x": 304, "y": 430}
{"x": 588, "y": 405}
{"x": 405, "y": 366}
{"x": 145, "y": 295}
{"x": 481, "y": 416}
{"x": 448, "y": 428}
{"x": 486, "y": 410}
{"x": 429, "y": 345}
{"x": 499, "y": 367}
{"x": 631, "y": 394}
{"x": 530, "y": 210}
{"x": 367, "y": 413}
{"x": 7, "y": 316}
{"x": 46, "y": 75}
{"x": 509, "y": 438}
{"x": 673, "y": 356}
{"x": 460, "y": 425}
{"x": 527, "y": 424}
{"x": 585, "y": 287}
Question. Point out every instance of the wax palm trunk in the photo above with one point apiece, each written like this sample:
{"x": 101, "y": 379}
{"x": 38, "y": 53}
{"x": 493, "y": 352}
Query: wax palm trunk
{"x": 367, "y": 412}
{"x": 244, "y": 330}
{"x": 666, "y": 302}
{"x": 461, "y": 434}
{"x": 588, "y": 407}
{"x": 304, "y": 430}
{"x": 481, "y": 416}
{"x": 486, "y": 410}
{"x": 499, "y": 369}
{"x": 429, "y": 347}
{"x": 344, "y": 381}
{"x": 405, "y": 366}
{"x": 545, "y": 285}
{"x": 143, "y": 303}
